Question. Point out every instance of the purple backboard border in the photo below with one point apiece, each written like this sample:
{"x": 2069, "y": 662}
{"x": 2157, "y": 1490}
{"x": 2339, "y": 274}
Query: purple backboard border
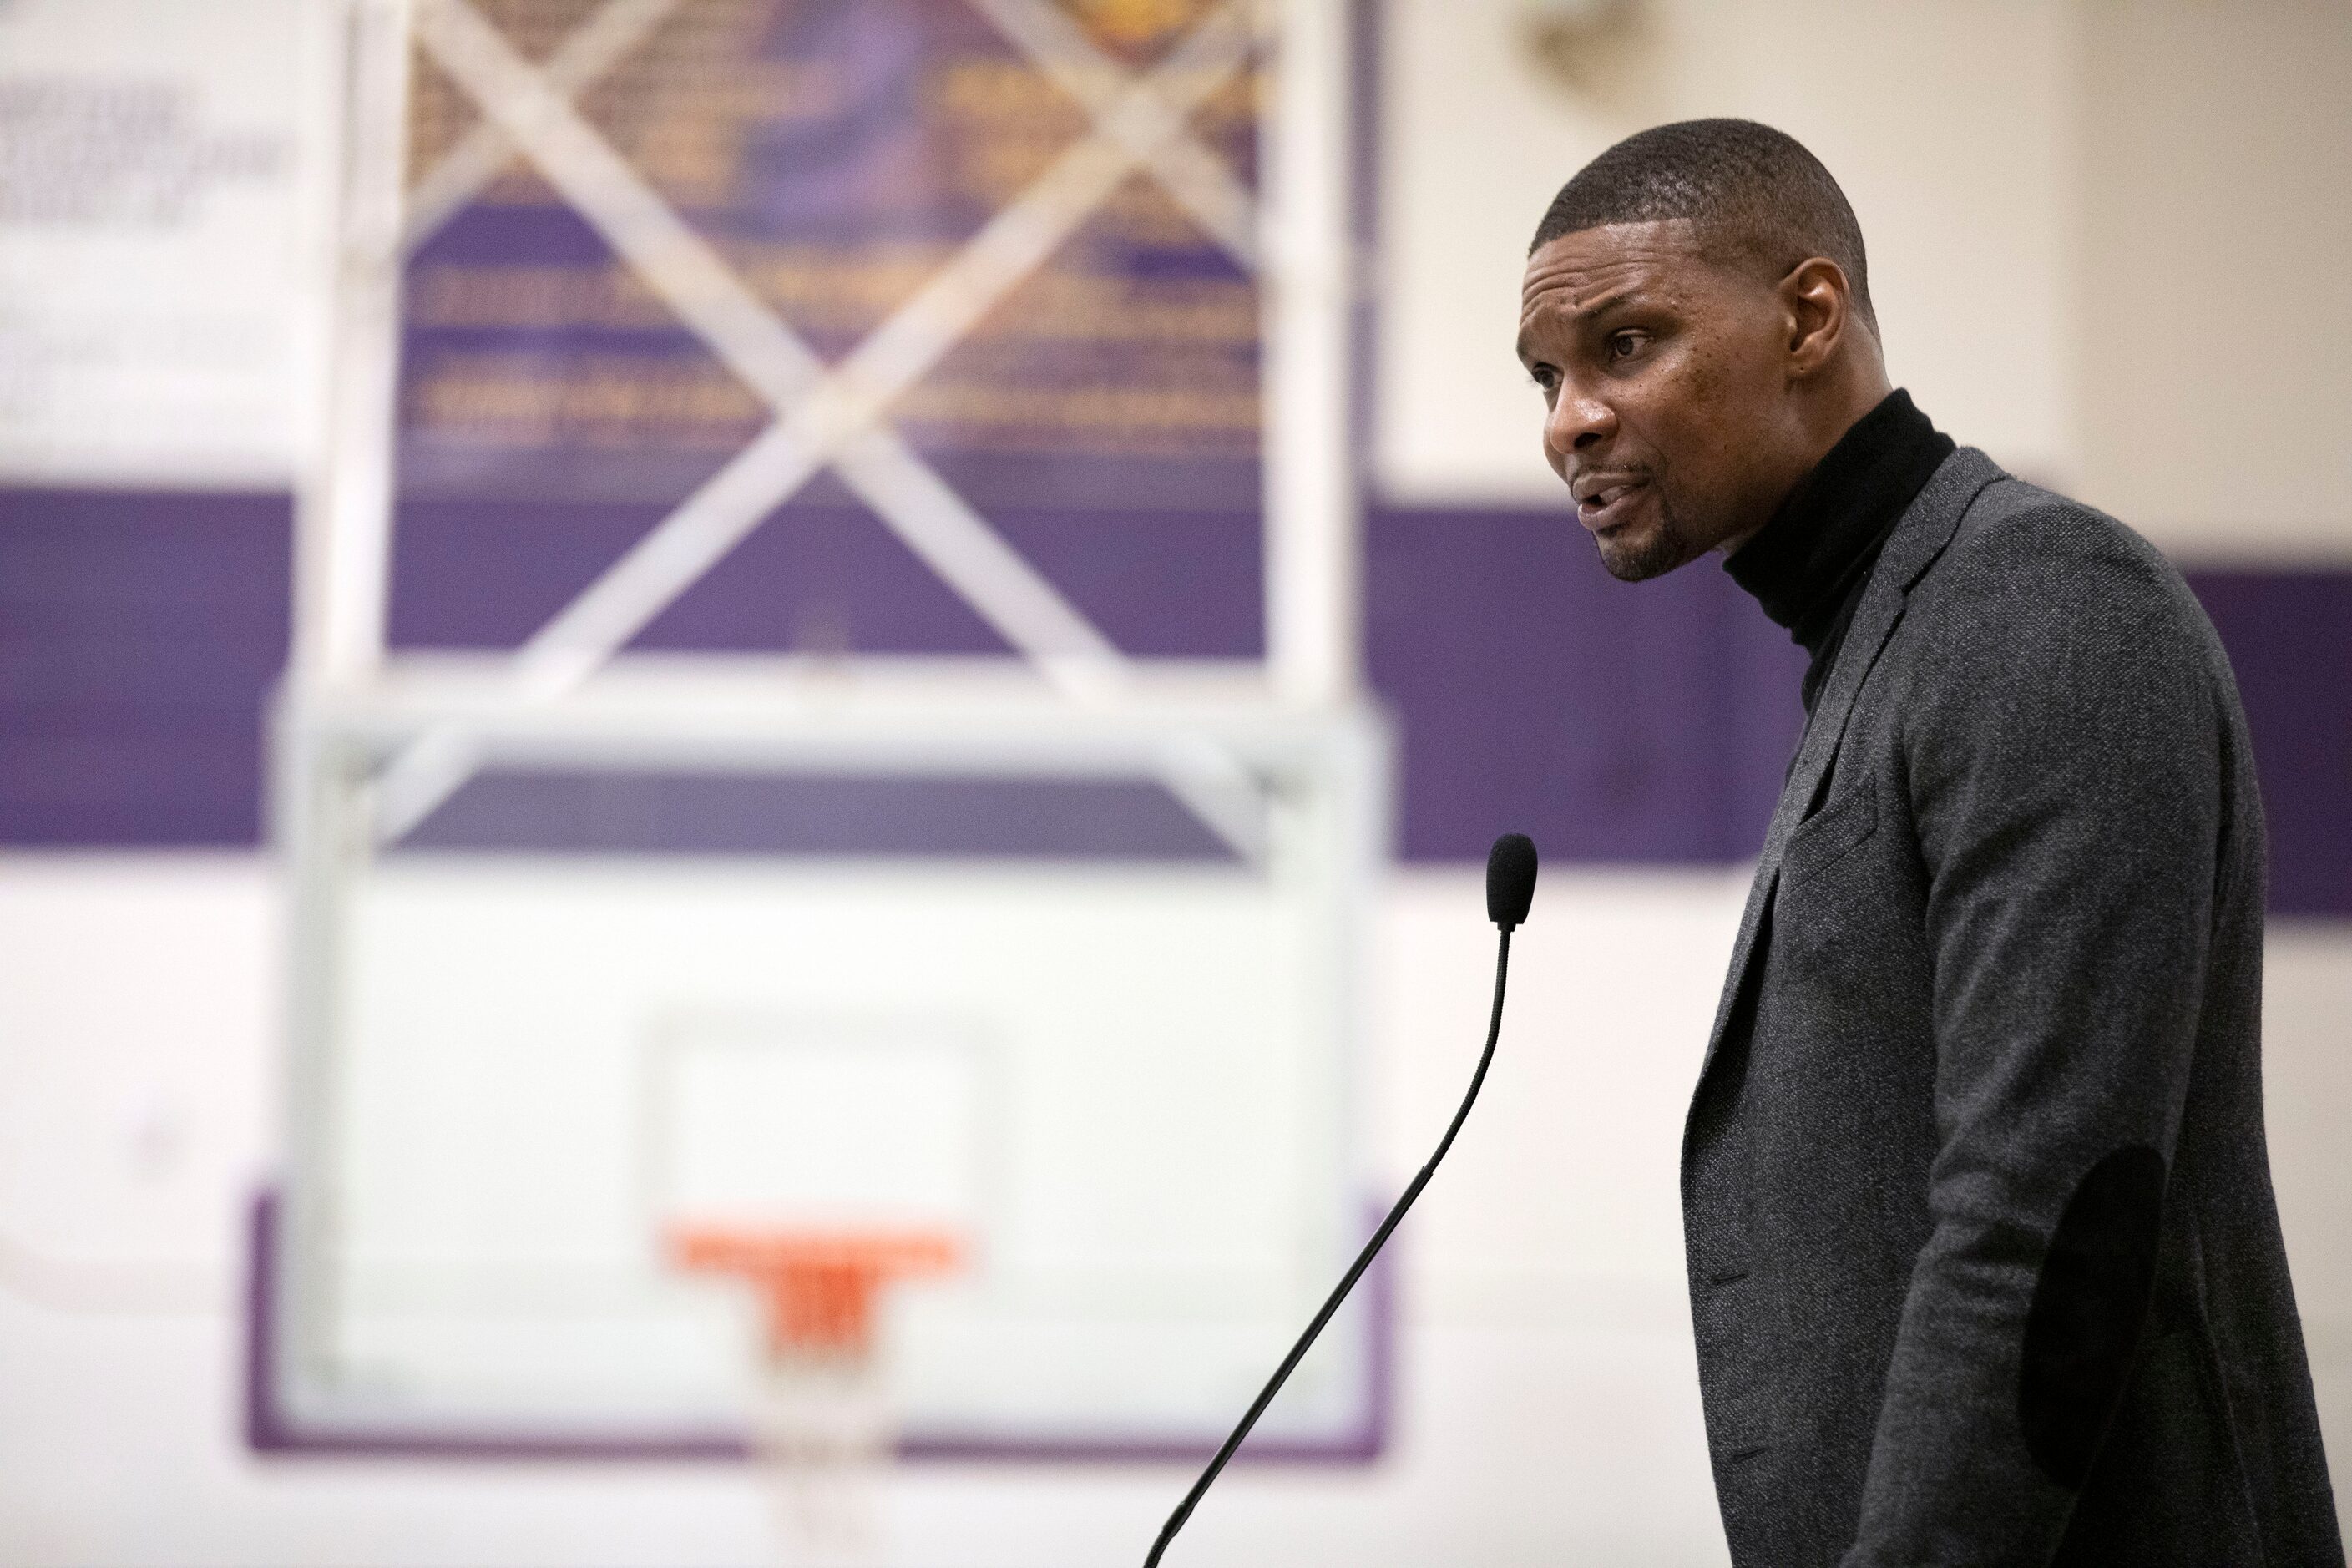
{"x": 271, "y": 1432}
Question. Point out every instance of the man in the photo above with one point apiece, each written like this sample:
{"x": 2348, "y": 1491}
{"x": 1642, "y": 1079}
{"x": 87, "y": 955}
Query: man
{"x": 1983, "y": 1259}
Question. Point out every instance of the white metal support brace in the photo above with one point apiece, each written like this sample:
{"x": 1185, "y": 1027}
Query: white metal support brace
{"x": 343, "y": 513}
{"x": 1311, "y": 528}
{"x": 588, "y": 53}
{"x": 1194, "y": 177}
{"x": 836, "y": 415}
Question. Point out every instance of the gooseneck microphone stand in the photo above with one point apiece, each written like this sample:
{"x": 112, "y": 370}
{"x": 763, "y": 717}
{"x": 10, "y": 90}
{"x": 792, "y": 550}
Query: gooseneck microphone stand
{"x": 1510, "y": 889}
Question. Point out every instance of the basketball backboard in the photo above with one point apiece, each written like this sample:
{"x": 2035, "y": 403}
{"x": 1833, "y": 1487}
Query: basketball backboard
{"x": 1120, "y": 1071}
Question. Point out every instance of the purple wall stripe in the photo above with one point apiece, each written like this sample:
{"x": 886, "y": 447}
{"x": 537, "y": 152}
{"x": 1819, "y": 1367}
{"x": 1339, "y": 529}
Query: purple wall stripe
{"x": 2289, "y": 634}
{"x": 1533, "y": 691}
{"x": 139, "y": 636}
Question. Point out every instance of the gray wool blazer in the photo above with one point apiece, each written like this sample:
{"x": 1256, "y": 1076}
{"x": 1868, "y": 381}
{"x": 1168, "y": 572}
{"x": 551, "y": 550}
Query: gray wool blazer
{"x": 1984, "y": 1264}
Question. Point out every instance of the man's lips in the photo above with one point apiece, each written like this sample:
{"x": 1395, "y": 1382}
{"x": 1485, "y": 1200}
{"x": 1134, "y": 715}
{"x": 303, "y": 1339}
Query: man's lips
{"x": 1602, "y": 507}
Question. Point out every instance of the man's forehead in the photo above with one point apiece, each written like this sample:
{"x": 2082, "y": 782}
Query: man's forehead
{"x": 1579, "y": 271}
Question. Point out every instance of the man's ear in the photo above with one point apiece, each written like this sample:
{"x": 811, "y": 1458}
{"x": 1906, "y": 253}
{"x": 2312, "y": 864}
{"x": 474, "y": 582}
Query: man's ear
{"x": 1818, "y": 303}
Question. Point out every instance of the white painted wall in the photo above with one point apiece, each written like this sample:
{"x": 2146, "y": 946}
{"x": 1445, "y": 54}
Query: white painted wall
{"x": 1548, "y": 1404}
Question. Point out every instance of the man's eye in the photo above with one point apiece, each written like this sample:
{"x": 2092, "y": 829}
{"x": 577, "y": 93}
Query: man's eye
{"x": 1545, "y": 376}
{"x": 1625, "y": 345}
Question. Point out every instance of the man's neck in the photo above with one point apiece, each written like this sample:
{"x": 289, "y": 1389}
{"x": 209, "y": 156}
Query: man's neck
{"x": 1836, "y": 411}
{"x": 1809, "y": 564}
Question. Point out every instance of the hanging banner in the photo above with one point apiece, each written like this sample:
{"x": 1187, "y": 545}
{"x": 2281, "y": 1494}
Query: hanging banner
{"x": 839, "y": 157}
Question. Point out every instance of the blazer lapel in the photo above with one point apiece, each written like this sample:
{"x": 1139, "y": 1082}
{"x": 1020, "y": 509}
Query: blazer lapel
{"x": 1925, "y": 528}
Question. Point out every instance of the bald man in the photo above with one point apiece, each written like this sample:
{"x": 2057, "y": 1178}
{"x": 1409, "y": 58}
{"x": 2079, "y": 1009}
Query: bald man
{"x": 1983, "y": 1260}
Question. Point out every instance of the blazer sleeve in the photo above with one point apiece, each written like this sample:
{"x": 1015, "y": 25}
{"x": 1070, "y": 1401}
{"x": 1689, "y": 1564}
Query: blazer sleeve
{"x": 2063, "y": 747}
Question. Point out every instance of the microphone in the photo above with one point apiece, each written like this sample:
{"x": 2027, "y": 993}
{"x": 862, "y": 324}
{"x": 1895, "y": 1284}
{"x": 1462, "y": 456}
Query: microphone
{"x": 1510, "y": 889}
{"x": 1510, "y": 882}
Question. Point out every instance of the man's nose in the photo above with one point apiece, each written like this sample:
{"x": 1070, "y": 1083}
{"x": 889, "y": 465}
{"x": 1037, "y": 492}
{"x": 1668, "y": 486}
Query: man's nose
{"x": 1577, "y": 424}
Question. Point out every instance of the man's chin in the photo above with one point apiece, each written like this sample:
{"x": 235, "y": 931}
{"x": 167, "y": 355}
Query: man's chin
{"x": 1636, "y": 556}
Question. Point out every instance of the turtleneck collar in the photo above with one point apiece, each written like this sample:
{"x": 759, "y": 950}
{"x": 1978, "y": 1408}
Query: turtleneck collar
{"x": 1809, "y": 564}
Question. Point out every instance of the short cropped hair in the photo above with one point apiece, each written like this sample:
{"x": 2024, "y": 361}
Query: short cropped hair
{"x": 1757, "y": 199}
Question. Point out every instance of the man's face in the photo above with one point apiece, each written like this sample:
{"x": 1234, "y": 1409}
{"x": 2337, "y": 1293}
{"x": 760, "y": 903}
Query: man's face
{"x": 1665, "y": 381}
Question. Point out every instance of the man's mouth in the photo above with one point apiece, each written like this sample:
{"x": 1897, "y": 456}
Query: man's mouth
{"x": 1608, "y": 505}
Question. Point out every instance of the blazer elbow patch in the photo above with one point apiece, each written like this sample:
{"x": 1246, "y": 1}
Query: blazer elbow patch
{"x": 2089, "y": 1304}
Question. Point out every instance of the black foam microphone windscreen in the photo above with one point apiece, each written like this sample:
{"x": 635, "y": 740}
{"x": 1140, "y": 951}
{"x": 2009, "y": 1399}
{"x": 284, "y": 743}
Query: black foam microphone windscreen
{"x": 1510, "y": 879}
{"x": 1510, "y": 889}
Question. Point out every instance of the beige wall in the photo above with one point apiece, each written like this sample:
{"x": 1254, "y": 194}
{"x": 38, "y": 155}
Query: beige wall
{"x": 1949, "y": 126}
{"x": 2217, "y": 274}
{"x": 2107, "y": 240}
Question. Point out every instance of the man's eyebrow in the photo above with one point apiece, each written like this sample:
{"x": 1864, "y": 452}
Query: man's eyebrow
{"x": 1617, "y": 298}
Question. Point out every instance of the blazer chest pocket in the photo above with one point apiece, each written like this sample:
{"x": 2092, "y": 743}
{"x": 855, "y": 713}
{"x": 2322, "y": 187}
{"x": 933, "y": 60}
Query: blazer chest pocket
{"x": 1830, "y": 834}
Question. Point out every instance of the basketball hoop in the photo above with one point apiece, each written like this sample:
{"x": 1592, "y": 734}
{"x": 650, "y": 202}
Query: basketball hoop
{"x": 822, "y": 1422}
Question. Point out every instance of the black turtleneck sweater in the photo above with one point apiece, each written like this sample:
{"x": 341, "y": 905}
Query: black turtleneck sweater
{"x": 1809, "y": 565}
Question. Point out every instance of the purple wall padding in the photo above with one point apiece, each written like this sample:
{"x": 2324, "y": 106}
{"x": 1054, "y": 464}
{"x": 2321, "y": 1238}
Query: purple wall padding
{"x": 2290, "y": 640}
{"x": 141, "y": 634}
{"x": 1607, "y": 720}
